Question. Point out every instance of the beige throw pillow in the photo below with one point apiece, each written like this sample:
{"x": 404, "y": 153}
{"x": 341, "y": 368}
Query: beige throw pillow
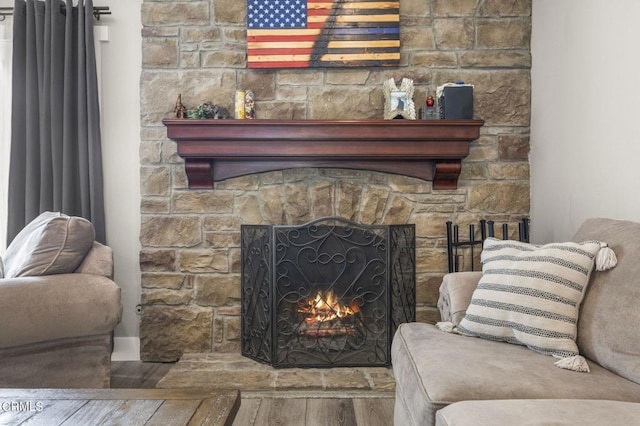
{"x": 530, "y": 295}
{"x": 53, "y": 243}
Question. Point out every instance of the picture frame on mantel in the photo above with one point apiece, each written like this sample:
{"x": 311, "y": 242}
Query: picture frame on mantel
{"x": 398, "y": 101}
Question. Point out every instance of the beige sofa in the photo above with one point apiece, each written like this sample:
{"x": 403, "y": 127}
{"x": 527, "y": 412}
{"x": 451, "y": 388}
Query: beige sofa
{"x": 451, "y": 379}
{"x": 55, "y": 326}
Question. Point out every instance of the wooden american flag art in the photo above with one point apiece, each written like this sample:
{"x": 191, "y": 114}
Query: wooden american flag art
{"x": 322, "y": 33}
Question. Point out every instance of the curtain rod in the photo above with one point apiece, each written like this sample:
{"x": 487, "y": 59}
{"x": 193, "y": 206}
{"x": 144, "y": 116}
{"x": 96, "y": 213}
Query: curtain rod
{"x": 98, "y": 11}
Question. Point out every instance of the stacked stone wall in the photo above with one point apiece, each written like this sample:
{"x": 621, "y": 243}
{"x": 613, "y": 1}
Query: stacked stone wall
{"x": 190, "y": 256}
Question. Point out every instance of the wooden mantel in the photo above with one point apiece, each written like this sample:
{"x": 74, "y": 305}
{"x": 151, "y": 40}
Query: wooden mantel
{"x": 215, "y": 150}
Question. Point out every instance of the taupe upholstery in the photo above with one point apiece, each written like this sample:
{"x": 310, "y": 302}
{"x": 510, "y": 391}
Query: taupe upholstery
{"x": 52, "y": 243}
{"x": 37, "y": 309}
{"x": 571, "y": 412}
{"x": 434, "y": 369}
{"x": 610, "y": 313}
{"x": 56, "y": 330}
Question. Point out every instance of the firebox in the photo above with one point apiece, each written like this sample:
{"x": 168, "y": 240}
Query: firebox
{"x": 327, "y": 293}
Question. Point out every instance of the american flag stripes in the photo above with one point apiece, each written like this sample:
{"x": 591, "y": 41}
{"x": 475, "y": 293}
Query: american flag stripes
{"x": 322, "y": 33}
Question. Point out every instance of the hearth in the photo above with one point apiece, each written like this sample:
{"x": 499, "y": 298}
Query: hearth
{"x": 327, "y": 293}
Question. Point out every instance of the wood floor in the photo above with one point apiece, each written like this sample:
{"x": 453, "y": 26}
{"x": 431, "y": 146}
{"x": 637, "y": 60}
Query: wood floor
{"x": 137, "y": 374}
{"x": 279, "y": 411}
{"x": 315, "y": 412}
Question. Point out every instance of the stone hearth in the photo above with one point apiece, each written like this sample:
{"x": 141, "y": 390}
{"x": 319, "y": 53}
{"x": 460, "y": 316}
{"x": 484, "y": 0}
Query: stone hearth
{"x": 228, "y": 371}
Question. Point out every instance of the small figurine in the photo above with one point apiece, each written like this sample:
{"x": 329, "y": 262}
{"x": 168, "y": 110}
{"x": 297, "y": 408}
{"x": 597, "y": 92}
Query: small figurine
{"x": 208, "y": 110}
{"x": 180, "y": 110}
{"x": 249, "y": 105}
{"x": 220, "y": 112}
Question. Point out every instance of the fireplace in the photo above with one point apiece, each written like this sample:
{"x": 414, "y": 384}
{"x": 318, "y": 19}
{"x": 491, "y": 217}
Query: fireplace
{"x": 327, "y": 293}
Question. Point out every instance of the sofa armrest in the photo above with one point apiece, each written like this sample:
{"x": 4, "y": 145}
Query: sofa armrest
{"x": 98, "y": 261}
{"x": 455, "y": 294}
{"x": 45, "y": 308}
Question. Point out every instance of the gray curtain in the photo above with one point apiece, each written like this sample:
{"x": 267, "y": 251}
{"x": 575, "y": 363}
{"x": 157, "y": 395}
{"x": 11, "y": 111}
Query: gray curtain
{"x": 56, "y": 159}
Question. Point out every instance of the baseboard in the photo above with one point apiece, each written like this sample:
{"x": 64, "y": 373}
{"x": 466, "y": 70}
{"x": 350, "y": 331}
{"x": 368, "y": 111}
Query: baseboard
{"x": 126, "y": 349}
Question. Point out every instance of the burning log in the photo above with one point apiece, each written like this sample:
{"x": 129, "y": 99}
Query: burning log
{"x": 325, "y": 316}
{"x": 329, "y": 328}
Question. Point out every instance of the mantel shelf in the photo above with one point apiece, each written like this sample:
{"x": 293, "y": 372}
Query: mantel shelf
{"x": 216, "y": 150}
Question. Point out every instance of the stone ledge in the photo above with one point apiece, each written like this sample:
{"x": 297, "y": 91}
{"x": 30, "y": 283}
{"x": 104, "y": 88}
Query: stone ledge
{"x": 230, "y": 370}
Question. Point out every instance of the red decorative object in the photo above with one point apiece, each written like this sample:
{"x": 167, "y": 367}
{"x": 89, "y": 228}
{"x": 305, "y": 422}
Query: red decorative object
{"x": 430, "y": 101}
{"x": 215, "y": 150}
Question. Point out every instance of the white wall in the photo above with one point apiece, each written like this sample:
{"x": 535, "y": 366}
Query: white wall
{"x": 121, "y": 67}
{"x": 585, "y": 140}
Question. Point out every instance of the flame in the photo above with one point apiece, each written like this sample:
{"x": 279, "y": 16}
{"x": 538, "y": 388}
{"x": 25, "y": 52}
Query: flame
{"x": 325, "y": 307}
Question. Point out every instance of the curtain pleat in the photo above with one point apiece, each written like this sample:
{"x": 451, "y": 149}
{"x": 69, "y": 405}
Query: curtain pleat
{"x": 6, "y": 47}
{"x": 56, "y": 156}
{"x": 94, "y": 137}
{"x": 16, "y": 200}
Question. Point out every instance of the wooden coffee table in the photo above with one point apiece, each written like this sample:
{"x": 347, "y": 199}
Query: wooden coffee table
{"x": 118, "y": 406}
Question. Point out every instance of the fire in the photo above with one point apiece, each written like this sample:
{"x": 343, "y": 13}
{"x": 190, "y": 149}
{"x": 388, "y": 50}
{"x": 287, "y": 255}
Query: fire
{"x": 325, "y": 307}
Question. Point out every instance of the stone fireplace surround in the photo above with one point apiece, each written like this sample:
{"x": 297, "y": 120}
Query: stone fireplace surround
{"x": 204, "y": 270}
{"x": 189, "y": 238}
{"x": 191, "y": 300}
{"x": 191, "y": 295}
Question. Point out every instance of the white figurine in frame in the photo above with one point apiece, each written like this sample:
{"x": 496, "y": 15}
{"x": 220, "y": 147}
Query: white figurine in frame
{"x": 398, "y": 101}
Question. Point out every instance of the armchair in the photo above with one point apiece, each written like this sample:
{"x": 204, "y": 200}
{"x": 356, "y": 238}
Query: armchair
{"x": 58, "y": 307}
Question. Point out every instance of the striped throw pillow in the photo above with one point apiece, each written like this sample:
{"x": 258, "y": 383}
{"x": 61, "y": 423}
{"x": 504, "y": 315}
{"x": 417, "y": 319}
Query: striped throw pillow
{"x": 530, "y": 295}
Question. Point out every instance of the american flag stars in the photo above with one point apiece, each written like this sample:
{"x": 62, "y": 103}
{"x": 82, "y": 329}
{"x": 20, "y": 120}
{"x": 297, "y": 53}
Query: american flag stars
{"x": 276, "y": 14}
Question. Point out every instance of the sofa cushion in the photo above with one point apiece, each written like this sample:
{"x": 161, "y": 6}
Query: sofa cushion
{"x": 557, "y": 412}
{"x": 52, "y": 243}
{"x": 530, "y": 295}
{"x": 610, "y": 313}
{"x": 434, "y": 369}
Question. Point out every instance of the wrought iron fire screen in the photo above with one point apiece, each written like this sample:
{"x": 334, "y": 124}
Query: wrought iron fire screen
{"x": 327, "y": 293}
